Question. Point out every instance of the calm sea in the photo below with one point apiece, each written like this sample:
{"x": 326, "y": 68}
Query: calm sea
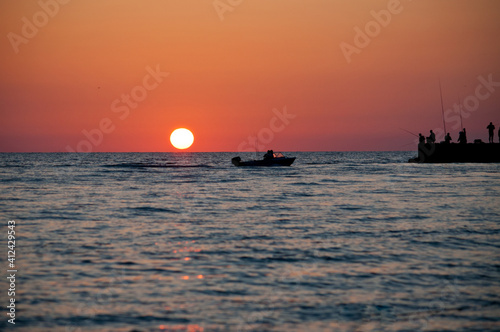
{"x": 352, "y": 241}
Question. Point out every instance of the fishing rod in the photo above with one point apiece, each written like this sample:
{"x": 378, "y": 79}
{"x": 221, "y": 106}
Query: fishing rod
{"x": 442, "y": 107}
{"x": 460, "y": 112}
{"x": 409, "y": 132}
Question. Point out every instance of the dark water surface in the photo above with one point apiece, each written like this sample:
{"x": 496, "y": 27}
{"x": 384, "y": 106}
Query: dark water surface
{"x": 358, "y": 241}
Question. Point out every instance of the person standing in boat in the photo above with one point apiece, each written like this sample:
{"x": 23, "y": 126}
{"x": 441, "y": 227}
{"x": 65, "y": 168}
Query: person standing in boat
{"x": 491, "y": 132}
{"x": 447, "y": 138}
{"x": 421, "y": 138}
{"x": 269, "y": 155}
{"x": 431, "y": 138}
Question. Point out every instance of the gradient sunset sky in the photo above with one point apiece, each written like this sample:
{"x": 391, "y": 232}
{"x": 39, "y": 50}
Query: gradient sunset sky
{"x": 233, "y": 66}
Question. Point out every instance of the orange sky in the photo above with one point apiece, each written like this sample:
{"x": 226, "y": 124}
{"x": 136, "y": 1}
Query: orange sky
{"x": 229, "y": 66}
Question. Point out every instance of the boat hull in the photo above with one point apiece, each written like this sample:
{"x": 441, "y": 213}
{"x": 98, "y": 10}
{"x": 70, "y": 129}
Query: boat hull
{"x": 270, "y": 162}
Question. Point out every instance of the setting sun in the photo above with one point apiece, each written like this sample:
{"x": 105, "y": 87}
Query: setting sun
{"x": 181, "y": 138}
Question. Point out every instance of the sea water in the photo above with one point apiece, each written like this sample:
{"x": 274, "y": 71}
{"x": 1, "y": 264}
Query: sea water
{"x": 339, "y": 241}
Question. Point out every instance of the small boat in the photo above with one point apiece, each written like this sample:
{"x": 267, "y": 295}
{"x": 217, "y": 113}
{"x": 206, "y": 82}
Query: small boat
{"x": 278, "y": 159}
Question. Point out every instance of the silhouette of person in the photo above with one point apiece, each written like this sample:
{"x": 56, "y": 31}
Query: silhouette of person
{"x": 421, "y": 138}
{"x": 269, "y": 155}
{"x": 447, "y": 139}
{"x": 498, "y": 135}
{"x": 461, "y": 138}
{"x": 491, "y": 132}
{"x": 431, "y": 138}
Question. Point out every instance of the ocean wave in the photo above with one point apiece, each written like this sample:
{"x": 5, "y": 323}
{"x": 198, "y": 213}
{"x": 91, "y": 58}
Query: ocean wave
{"x": 165, "y": 165}
{"x": 152, "y": 209}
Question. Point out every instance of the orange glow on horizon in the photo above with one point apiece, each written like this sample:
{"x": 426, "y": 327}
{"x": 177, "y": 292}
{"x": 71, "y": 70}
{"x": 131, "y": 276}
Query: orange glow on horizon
{"x": 120, "y": 75}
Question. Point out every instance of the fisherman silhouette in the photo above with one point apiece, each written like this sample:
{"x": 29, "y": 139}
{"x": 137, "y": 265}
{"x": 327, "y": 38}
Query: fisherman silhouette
{"x": 462, "y": 139}
{"x": 491, "y": 132}
{"x": 447, "y": 139}
{"x": 431, "y": 138}
{"x": 421, "y": 138}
